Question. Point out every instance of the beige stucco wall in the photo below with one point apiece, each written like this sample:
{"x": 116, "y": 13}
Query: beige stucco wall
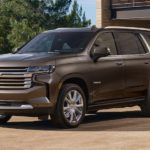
{"x": 103, "y": 17}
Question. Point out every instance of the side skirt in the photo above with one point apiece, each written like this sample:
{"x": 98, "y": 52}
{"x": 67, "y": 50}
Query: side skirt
{"x": 106, "y": 104}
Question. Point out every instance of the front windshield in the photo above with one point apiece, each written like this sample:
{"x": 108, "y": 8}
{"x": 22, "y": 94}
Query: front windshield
{"x": 53, "y": 42}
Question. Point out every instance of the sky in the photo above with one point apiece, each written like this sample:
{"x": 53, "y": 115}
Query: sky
{"x": 89, "y": 6}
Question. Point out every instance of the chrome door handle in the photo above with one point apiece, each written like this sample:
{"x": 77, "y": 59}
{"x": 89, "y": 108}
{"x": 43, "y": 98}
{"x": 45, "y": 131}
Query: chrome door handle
{"x": 146, "y": 63}
{"x": 119, "y": 63}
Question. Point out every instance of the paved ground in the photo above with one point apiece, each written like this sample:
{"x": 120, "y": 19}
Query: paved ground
{"x": 117, "y": 129}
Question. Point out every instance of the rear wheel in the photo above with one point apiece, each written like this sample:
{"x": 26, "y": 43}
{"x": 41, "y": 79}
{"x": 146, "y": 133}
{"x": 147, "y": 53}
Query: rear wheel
{"x": 145, "y": 110}
{"x": 4, "y": 118}
{"x": 71, "y": 107}
{"x": 145, "y": 107}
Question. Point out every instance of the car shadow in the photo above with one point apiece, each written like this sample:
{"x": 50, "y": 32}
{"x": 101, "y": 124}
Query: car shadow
{"x": 102, "y": 121}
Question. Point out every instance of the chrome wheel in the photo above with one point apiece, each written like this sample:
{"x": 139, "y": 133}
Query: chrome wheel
{"x": 73, "y": 106}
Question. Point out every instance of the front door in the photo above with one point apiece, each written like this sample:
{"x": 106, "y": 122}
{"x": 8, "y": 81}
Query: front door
{"x": 108, "y": 72}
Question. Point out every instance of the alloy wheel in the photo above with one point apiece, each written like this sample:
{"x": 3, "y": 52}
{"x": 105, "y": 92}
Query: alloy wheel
{"x": 73, "y": 106}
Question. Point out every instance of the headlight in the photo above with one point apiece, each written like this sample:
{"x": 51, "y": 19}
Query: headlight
{"x": 41, "y": 69}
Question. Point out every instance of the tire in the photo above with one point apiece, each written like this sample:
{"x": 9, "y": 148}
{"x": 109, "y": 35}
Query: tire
{"x": 145, "y": 110}
{"x": 4, "y": 119}
{"x": 71, "y": 107}
{"x": 145, "y": 107}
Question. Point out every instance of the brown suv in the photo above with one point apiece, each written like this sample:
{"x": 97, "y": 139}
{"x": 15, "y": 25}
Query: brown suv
{"x": 66, "y": 73}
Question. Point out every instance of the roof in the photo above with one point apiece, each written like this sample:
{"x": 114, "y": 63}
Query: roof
{"x": 94, "y": 29}
{"x": 86, "y": 29}
{"x": 127, "y": 28}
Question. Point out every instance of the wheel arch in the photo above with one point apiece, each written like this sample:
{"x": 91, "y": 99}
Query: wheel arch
{"x": 80, "y": 81}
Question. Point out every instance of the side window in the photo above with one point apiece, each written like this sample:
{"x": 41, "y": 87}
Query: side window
{"x": 147, "y": 36}
{"x": 128, "y": 43}
{"x": 106, "y": 39}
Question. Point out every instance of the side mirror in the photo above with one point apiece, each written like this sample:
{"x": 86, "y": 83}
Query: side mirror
{"x": 100, "y": 52}
{"x": 15, "y": 50}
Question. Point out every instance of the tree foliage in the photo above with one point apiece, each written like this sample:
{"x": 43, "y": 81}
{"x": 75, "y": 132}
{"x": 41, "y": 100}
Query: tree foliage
{"x": 20, "y": 20}
{"x": 77, "y": 18}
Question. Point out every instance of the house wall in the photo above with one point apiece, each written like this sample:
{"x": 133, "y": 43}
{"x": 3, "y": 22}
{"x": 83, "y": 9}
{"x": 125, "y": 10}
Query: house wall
{"x": 103, "y": 17}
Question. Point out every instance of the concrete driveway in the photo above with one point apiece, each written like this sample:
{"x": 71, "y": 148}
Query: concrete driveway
{"x": 115, "y": 129}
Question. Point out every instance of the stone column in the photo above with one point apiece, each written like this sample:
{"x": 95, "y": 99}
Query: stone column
{"x": 103, "y": 13}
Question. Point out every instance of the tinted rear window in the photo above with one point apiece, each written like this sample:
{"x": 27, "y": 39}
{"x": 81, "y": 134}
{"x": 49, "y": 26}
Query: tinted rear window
{"x": 128, "y": 43}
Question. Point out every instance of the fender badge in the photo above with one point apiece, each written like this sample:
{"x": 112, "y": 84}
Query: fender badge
{"x": 97, "y": 82}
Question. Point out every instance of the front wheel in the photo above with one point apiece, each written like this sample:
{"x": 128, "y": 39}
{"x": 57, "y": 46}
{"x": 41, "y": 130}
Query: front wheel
{"x": 71, "y": 107}
{"x": 4, "y": 118}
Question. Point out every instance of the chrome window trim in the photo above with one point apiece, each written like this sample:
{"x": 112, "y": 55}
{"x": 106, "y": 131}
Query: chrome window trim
{"x": 145, "y": 41}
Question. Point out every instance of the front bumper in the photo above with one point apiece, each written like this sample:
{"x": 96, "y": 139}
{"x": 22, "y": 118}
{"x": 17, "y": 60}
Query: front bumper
{"x": 29, "y": 102}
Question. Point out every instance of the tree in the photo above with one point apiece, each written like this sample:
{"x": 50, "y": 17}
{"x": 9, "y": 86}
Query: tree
{"x": 4, "y": 31}
{"x": 20, "y": 20}
{"x": 17, "y": 25}
{"x": 21, "y": 32}
{"x": 77, "y": 18}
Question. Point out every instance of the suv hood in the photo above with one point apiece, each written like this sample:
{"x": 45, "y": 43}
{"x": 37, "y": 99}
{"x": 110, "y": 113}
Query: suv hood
{"x": 26, "y": 59}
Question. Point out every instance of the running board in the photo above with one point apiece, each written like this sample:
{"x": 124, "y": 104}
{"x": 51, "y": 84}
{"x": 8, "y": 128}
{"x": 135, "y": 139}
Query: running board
{"x": 115, "y": 103}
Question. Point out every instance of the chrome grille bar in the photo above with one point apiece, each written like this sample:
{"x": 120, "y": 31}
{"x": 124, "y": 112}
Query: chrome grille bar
{"x": 15, "y": 83}
{"x": 15, "y": 78}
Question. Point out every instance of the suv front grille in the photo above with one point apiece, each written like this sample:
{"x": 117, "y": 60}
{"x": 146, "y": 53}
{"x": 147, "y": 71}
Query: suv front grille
{"x": 15, "y": 78}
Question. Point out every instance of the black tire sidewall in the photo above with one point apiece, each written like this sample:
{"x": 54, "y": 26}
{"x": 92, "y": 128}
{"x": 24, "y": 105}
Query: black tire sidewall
{"x": 5, "y": 120}
{"x": 145, "y": 106}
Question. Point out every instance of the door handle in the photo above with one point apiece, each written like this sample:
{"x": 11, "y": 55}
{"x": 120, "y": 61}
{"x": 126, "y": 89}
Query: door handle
{"x": 119, "y": 63}
{"x": 146, "y": 63}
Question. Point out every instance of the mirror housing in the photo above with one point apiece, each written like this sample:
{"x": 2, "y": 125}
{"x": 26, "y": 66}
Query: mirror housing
{"x": 99, "y": 52}
{"x": 15, "y": 50}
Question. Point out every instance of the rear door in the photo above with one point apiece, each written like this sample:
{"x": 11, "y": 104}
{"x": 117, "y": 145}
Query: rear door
{"x": 136, "y": 62}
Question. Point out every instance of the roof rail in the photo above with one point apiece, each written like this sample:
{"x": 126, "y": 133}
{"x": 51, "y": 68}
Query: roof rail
{"x": 123, "y": 27}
